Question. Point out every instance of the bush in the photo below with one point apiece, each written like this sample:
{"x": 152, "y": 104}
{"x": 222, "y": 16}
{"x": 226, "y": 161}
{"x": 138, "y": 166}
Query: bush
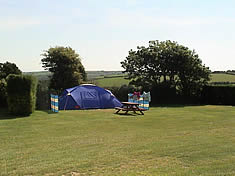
{"x": 219, "y": 95}
{"x": 121, "y": 93}
{"x": 43, "y": 95}
{"x": 21, "y": 91}
{"x": 163, "y": 94}
{"x": 3, "y": 93}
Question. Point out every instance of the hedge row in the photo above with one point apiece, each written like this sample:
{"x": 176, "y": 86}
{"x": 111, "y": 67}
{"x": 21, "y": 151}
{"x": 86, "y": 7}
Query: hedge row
{"x": 212, "y": 94}
{"x": 43, "y": 95}
{"x": 21, "y": 94}
{"x": 3, "y": 93}
{"x": 121, "y": 93}
{"x": 218, "y": 95}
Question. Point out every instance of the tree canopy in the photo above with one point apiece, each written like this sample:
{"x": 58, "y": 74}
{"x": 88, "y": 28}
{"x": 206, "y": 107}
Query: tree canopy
{"x": 8, "y": 68}
{"x": 166, "y": 62}
{"x": 66, "y": 66}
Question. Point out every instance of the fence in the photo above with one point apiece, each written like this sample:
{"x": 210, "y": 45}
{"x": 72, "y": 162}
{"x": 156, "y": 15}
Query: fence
{"x": 54, "y": 103}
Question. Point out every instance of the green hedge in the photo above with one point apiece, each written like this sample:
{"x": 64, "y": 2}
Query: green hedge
{"x": 21, "y": 94}
{"x": 43, "y": 95}
{"x": 3, "y": 93}
{"x": 163, "y": 94}
{"x": 121, "y": 93}
{"x": 219, "y": 95}
{"x": 211, "y": 94}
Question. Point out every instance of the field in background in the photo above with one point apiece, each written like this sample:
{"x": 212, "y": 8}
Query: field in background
{"x": 222, "y": 77}
{"x": 91, "y": 75}
{"x": 117, "y": 78}
{"x": 114, "y": 81}
{"x": 193, "y": 140}
{"x": 118, "y": 81}
{"x": 41, "y": 75}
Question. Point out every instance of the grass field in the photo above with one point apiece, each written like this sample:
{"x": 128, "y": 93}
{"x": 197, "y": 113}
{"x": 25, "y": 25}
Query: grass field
{"x": 114, "y": 79}
{"x": 222, "y": 78}
{"x": 111, "y": 82}
{"x": 44, "y": 75}
{"x": 193, "y": 140}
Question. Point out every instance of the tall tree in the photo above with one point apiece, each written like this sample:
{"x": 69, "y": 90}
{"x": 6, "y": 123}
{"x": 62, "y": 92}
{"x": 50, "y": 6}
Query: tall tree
{"x": 8, "y": 68}
{"x": 66, "y": 66}
{"x": 166, "y": 62}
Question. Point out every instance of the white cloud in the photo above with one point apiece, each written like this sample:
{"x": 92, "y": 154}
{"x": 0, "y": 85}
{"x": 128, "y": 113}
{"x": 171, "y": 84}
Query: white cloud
{"x": 120, "y": 18}
{"x": 132, "y": 2}
{"x": 17, "y": 22}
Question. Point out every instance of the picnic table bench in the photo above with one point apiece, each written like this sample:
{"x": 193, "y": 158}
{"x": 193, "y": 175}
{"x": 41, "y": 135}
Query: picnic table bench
{"x": 129, "y": 106}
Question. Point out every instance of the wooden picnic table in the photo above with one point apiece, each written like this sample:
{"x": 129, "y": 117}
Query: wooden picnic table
{"x": 130, "y": 106}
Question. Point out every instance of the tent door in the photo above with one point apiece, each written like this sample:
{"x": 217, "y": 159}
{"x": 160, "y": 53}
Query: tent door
{"x": 90, "y": 99}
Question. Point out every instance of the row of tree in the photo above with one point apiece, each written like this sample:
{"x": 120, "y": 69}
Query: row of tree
{"x": 63, "y": 62}
{"x": 167, "y": 63}
{"x": 161, "y": 63}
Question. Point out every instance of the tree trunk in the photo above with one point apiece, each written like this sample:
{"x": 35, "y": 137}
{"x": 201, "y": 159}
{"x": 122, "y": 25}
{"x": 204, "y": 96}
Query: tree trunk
{"x": 164, "y": 76}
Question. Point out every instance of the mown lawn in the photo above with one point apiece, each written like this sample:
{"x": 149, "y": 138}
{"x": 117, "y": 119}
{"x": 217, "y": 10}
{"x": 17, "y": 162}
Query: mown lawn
{"x": 193, "y": 140}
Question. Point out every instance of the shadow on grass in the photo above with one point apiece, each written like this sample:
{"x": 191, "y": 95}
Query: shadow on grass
{"x": 49, "y": 111}
{"x": 175, "y": 105}
{"x": 128, "y": 114}
{"x": 5, "y": 115}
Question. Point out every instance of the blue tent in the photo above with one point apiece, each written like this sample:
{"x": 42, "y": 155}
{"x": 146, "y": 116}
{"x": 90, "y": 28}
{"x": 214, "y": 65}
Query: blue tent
{"x": 87, "y": 96}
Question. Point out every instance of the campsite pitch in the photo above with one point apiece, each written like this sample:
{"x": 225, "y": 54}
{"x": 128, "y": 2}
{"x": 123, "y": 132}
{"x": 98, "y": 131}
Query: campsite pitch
{"x": 197, "y": 140}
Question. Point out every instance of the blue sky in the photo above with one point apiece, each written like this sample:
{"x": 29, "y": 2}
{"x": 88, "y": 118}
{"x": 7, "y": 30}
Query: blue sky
{"x": 103, "y": 31}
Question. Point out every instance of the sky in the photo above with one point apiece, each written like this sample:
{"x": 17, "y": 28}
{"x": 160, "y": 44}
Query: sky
{"x": 103, "y": 31}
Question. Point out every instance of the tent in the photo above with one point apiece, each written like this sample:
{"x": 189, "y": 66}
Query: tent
{"x": 87, "y": 96}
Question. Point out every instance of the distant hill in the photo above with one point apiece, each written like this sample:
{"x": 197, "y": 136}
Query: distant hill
{"x": 117, "y": 78}
{"x": 224, "y": 78}
{"x": 91, "y": 75}
{"x": 41, "y": 75}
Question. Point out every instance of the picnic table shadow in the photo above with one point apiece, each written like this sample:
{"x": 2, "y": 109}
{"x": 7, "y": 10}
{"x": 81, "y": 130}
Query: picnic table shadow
{"x": 127, "y": 114}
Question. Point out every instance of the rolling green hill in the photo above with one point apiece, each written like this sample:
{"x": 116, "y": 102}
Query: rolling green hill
{"x": 111, "y": 81}
{"x": 117, "y": 78}
{"x": 41, "y": 75}
{"x": 91, "y": 75}
{"x": 222, "y": 77}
